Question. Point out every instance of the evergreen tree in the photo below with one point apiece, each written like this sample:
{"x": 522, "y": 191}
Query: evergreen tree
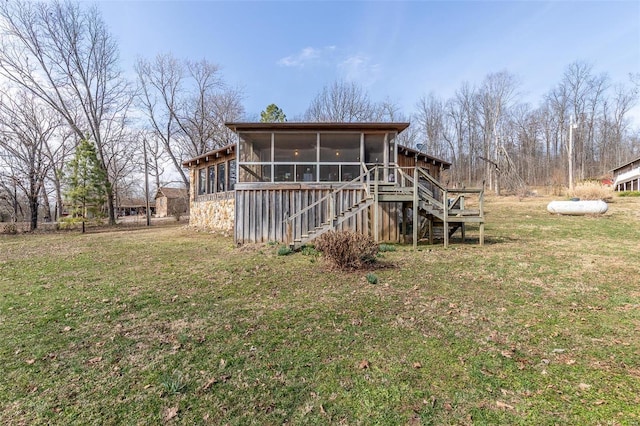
{"x": 272, "y": 114}
{"x": 86, "y": 183}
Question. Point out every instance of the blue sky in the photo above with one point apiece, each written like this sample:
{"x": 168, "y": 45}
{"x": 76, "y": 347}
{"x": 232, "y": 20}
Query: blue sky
{"x": 286, "y": 52}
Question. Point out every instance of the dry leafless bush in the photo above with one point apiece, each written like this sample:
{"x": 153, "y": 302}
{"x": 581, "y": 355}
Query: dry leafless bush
{"x": 347, "y": 249}
{"x": 591, "y": 191}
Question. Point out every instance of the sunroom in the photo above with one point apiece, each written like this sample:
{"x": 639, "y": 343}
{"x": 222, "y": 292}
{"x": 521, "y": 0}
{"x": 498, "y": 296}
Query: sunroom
{"x": 313, "y": 152}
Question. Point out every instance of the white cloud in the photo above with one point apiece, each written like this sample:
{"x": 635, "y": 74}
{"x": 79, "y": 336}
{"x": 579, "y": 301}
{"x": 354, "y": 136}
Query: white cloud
{"x": 306, "y": 56}
{"x": 360, "y": 69}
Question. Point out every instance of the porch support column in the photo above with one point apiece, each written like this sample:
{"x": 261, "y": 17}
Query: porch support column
{"x": 385, "y": 157}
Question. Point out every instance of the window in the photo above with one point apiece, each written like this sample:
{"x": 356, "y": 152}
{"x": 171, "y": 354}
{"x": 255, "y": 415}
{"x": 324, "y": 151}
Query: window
{"x": 211, "y": 179}
{"x": 202, "y": 181}
{"x": 221, "y": 177}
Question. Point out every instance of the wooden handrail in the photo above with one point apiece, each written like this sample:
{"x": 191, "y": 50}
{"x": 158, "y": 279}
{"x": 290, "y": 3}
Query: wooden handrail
{"x": 364, "y": 174}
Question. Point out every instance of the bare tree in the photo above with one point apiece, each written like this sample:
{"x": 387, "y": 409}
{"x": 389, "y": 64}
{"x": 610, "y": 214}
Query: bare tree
{"x": 495, "y": 97}
{"x": 343, "y": 102}
{"x": 58, "y": 149}
{"x": 187, "y": 104}
{"x": 431, "y": 118}
{"x": 65, "y": 55}
{"x": 26, "y": 126}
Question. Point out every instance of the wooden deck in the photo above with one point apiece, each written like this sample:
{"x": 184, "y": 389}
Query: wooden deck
{"x": 297, "y": 213}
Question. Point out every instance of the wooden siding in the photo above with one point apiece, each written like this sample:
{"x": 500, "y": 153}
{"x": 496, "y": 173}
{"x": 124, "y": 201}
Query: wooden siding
{"x": 408, "y": 161}
{"x": 261, "y": 213}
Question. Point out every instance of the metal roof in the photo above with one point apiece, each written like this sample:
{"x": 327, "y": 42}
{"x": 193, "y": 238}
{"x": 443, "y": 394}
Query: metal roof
{"x": 216, "y": 153}
{"x": 317, "y": 126}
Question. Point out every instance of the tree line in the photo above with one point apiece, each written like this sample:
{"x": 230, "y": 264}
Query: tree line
{"x": 61, "y": 84}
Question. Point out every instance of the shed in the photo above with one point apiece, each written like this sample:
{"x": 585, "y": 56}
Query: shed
{"x": 171, "y": 201}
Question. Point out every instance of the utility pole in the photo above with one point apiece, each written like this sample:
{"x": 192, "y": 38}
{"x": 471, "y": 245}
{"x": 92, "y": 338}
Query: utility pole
{"x": 572, "y": 126}
{"x": 146, "y": 181}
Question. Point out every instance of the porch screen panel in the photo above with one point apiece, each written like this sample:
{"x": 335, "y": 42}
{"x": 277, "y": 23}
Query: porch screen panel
{"x": 254, "y": 158}
{"x": 283, "y": 173}
{"x": 255, "y": 147}
{"x": 232, "y": 175}
{"x": 340, "y": 147}
{"x": 295, "y": 147}
{"x": 373, "y": 148}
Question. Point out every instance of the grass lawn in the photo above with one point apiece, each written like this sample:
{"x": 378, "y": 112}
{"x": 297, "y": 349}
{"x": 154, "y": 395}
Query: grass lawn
{"x": 541, "y": 326}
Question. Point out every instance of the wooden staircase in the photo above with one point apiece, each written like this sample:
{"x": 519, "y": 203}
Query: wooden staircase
{"x": 332, "y": 224}
{"x": 438, "y": 207}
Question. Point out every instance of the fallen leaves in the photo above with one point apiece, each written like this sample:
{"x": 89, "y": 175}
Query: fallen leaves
{"x": 504, "y": 405}
{"x": 95, "y": 360}
{"x": 170, "y": 413}
{"x": 584, "y": 386}
{"x": 209, "y": 383}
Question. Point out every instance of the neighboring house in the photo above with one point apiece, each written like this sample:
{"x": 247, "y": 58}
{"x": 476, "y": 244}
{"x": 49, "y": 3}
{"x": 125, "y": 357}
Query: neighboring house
{"x": 627, "y": 176}
{"x": 171, "y": 201}
{"x": 134, "y": 206}
{"x": 290, "y": 182}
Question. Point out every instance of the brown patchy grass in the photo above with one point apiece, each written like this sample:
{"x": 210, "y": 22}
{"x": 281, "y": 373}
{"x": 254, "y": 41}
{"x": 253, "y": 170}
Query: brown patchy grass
{"x": 539, "y": 326}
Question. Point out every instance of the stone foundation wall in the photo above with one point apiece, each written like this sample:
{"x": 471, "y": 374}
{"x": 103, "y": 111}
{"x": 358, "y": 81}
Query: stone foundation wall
{"x": 216, "y": 215}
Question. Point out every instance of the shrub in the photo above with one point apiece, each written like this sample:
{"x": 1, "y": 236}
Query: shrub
{"x": 629, "y": 194}
{"x": 372, "y": 278}
{"x": 590, "y": 191}
{"x": 173, "y": 384}
{"x": 10, "y": 228}
{"x": 347, "y": 249}
{"x": 284, "y": 251}
{"x": 386, "y": 247}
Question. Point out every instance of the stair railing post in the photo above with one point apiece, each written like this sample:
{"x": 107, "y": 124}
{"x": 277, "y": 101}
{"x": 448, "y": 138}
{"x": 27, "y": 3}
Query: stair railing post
{"x": 445, "y": 221}
{"x": 415, "y": 208}
{"x": 289, "y": 230}
{"x": 332, "y": 209}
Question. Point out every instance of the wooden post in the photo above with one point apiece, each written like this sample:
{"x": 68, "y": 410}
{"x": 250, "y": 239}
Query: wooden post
{"x": 376, "y": 175}
{"x": 332, "y": 209}
{"x": 289, "y": 241}
{"x": 430, "y": 230}
{"x": 482, "y": 215}
{"x": 415, "y": 208}
{"x": 462, "y": 224}
{"x": 445, "y": 222}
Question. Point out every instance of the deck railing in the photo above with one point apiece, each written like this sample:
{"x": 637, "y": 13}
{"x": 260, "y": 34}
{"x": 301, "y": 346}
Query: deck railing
{"x": 363, "y": 179}
{"x": 426, "y": 192}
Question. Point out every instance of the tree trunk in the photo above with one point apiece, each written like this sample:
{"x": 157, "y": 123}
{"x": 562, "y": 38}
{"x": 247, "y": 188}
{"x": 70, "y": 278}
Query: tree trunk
{"x": 46, "y": 205}
{"x": 33, "y": 206}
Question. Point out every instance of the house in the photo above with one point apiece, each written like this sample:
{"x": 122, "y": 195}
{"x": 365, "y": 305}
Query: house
{"x": 290, "y": 182}
{"x": 212, "y": 196}
{"x": 171, "y": 201}
{"x": 134, "y": 206}
{"x": 627, "y": 176}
